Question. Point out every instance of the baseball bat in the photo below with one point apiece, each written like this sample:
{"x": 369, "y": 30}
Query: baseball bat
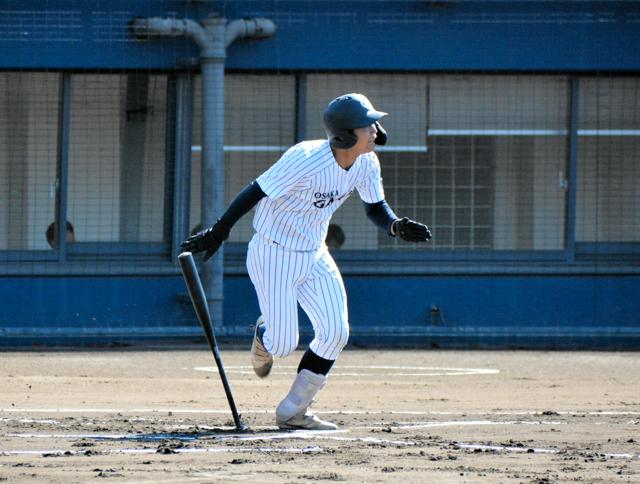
{"x": 199, "y": 301}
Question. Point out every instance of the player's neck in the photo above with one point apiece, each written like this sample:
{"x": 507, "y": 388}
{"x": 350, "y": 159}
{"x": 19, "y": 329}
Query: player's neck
{"x": 345, "y": 158}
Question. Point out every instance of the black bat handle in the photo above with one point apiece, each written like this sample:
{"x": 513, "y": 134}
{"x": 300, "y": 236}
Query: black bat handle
{"x": 199, "y": 300}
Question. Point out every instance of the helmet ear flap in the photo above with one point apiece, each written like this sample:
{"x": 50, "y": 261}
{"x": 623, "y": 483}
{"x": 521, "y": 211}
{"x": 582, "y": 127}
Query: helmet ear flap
{"x": 381, "y": 137}
{"x": 345, "y": 139}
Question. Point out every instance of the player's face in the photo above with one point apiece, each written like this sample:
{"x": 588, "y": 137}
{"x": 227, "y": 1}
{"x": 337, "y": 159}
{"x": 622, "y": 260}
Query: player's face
{"x": 366, "y": 138}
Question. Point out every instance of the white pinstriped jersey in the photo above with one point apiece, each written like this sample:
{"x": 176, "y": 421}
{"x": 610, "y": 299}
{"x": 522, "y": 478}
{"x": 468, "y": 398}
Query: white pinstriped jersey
{"x": 305, "y": 187}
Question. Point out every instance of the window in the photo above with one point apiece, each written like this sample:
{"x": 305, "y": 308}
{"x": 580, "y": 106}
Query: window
{"x": 608, "y": 208}
{"x": 28, "y": 153}
{"x": 450, "y": 188}
{"x": 117, "y": 158}
{"x": 480, "y": 159}
{"x": 404, "y": 97}
{"x": 498, "y": 153}
{"x": 259, "y": 127}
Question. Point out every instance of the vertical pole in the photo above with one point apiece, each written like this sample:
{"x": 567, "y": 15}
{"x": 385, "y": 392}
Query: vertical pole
{"x": 62, "y": 165}
{"x": 572, "y": 171}
{"x": 301, "y": 107}
{"x": 182, "y": 161}
{"x": 170, "y": 177}
{"x": 132, "y": 153}
{"x": 212, "y": 67}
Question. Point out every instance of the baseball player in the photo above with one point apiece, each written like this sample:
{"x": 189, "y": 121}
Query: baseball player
{"x": 288, "y": 260}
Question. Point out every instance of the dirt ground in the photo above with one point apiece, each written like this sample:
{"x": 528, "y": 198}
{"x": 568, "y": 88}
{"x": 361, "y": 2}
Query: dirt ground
{"x": 160, "y": 415}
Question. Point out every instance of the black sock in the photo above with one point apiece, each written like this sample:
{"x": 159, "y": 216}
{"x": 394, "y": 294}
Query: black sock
{"x": 315, "y": 364}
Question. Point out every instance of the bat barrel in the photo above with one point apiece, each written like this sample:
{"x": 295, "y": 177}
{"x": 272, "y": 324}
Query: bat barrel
{"x": 196, "y": 291}
{"x": 197, "y": 295}
{"x": 199, "y": 301}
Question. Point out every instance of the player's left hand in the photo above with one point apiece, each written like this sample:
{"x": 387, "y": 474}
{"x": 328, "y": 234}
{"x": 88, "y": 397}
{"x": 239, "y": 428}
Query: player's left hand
{"x": 411, "y": 231}
{"x": 210, "y": 240}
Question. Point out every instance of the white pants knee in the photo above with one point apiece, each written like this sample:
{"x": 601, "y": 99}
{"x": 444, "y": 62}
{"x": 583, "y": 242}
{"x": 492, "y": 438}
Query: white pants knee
{"x": 282, "y": 279}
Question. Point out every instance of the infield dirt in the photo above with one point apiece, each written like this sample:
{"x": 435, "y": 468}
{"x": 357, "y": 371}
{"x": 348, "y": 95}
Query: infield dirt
{"x": 160, "y": 415}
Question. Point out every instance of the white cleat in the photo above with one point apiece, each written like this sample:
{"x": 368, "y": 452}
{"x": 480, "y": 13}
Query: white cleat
{"x": 306, "y": 421}
{"x": 261, "y": 359}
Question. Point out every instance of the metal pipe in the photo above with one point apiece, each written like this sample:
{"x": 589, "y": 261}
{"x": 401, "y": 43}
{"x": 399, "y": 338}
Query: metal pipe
{"x": 257, "y": 28}
{"x": 212, "y": 179}
{"x": 572, "y": 171}
{"x": 62, "y": 175}
{"x": 212, "y": 37}
{"x": 182, "y": 156}
{"x": 146, "y": 28}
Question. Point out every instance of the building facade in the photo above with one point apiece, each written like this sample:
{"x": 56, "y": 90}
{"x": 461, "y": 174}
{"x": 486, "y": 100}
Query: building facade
{"x": 514, "y": 134}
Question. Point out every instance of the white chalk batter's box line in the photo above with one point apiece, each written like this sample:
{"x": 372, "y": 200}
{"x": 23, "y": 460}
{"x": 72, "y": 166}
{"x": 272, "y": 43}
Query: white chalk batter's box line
{"x": 294, "y": 435}
{"x": 293, "y": 450}
{"x": 220, "y": 411}
{"x": 373, "y": 426}
{"x": 159, "y": 437}
{"x": 381, "y": 425}
{"x": 199, "y": 450}
{"x": 365, "y": 370}
{"x": 299, "y": 435}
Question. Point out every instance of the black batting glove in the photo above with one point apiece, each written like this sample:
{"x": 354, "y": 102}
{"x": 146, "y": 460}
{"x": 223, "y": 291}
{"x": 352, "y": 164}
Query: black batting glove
{"x": 410, "y": 230}
{"x": 210, "y": 240}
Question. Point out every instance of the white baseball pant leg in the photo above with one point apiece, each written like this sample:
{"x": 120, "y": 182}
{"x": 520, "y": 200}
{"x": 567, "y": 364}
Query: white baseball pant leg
{"x": 323, "y": 297}
{"x": 282, "y": 278}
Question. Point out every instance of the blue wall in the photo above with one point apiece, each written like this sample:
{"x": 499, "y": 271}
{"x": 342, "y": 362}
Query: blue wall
{"x": 335, "y": 35}
{"x": 600, "y": 309}
{"x": 474, "y": 311}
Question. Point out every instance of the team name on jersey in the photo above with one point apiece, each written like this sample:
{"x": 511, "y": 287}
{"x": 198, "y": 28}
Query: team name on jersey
{"x": 324, "y": 199}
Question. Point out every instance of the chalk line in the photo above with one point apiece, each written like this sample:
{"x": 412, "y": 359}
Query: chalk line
{"x": 61, "y": 452}
{"x": 369, "y": 370}
{"x": 335, "y": 435}
{"x": 225, "y": 411}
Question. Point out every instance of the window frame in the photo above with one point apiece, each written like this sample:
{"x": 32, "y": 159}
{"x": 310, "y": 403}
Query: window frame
{"x": 175, "y": 217}
{"x": 81, "y": 251}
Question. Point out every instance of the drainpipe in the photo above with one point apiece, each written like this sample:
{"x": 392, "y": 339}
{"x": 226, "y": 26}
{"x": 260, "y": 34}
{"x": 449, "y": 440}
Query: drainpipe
{"x": 212, "y": 36}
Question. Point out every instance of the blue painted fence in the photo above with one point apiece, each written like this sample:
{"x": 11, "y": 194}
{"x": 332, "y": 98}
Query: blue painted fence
{"x": 469, "y": 311}
{"x": 334, "y": 35}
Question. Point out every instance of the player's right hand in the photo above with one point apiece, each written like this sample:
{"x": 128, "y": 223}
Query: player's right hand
{"x": 208, "y": 240}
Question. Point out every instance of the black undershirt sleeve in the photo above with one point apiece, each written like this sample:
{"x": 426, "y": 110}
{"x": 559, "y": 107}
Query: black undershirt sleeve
{"x": 248, "y": 197}
{"x": 380, "y": 213}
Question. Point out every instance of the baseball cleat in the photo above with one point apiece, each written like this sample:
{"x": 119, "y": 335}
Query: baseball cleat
{"x": 261, "y": 359}
{"x": 306, "y": 421}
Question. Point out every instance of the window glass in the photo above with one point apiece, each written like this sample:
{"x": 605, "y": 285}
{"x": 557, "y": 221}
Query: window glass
{"x": 28, "y": 153}
{"x": 117, "y": 157}
{"x": 608, "y": 197}
{"x": 259, "y": 127}
{"x": 480, "y": 159}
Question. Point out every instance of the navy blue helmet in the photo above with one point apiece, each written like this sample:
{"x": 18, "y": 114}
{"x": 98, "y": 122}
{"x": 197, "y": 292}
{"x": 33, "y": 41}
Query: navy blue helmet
{"x": 348, "y": 112}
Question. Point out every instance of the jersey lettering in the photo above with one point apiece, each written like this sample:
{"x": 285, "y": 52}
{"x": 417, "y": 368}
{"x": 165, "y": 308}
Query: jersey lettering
{"x": 325, "y": 199}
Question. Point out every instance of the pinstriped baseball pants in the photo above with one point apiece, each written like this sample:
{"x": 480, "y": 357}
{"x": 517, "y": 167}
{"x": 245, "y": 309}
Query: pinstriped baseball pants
{"x": 282, "y": 279}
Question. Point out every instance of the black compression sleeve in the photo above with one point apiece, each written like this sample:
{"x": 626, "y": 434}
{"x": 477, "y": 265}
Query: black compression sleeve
{"x": 380, "y": 213}
{"x": 244, "y": 201}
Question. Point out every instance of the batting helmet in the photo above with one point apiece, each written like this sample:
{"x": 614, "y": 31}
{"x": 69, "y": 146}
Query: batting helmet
{"x": 346, "y": 113}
